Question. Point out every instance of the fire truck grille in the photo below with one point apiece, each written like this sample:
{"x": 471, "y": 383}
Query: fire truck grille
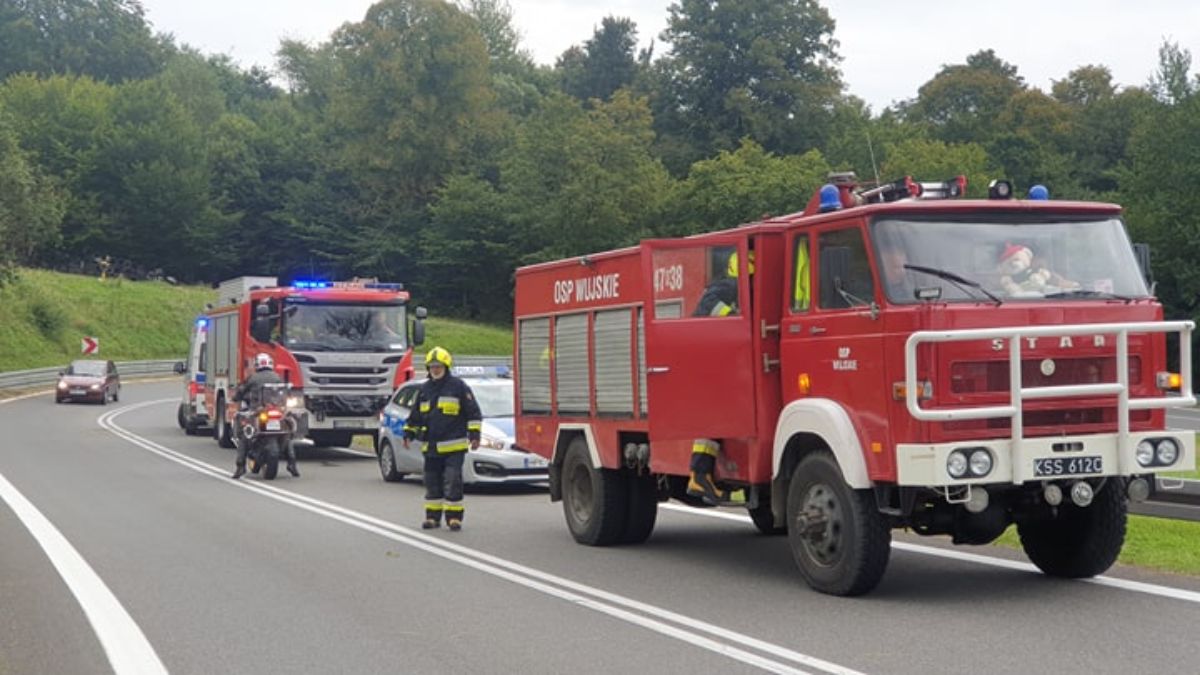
{"x": 1042, "y": 422}
{"x": 975, "y": 377}
{"x": 345, "y": 406}
{"x": 371, "y": 377}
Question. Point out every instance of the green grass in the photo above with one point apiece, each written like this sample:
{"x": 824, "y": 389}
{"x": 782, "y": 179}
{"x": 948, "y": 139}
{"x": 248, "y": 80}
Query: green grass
{"x": 44, "y": 315}
{"x": 1154, "y": 543}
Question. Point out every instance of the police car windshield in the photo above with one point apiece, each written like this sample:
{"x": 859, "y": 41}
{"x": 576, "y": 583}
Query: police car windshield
{"x": 1015, "y": 259}
{"x": 495, "y": 398}
{"x": 344, "y": 328}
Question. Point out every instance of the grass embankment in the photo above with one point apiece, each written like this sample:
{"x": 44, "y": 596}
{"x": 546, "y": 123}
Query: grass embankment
{"x": 44, "y": 316}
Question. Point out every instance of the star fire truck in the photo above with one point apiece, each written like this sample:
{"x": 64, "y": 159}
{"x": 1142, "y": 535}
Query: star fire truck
{"x": 343, "y": 346}
{"x": 881, "y": 368}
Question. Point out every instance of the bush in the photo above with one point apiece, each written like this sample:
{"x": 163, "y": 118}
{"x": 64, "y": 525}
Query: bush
{"x": 48, "y": 317}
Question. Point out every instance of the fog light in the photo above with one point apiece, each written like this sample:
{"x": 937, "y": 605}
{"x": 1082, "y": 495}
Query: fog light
{"x": 981, "y": 462}
{"x": 978, "y": 501}
{"x": 1138, "y": 490}
{"x": 1052, "y": 494}
{"x": 1144, "y": 453}
{"x": 1082, "y": 494}
{"x": 956, "y": 464}
{"x": 1166, "y": 452}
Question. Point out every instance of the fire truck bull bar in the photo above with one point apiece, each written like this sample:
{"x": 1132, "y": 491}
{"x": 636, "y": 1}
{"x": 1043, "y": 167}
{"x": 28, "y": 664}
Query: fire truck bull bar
{"x": 1022, "y": 449}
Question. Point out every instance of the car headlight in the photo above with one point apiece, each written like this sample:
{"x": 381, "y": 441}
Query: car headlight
{"x": 956, "y": 464}
{"x": 95, "y": 387}
{"x": 492, "y": 442}
{"x": 981, "y": 462}
{"x": 62, "y": 385}
{"x": 1166, "y": 452}
{"x": 1144, "y": 453}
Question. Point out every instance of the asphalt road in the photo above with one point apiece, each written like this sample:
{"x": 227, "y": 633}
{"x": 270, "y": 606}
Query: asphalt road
{"x": 124, "y": 547}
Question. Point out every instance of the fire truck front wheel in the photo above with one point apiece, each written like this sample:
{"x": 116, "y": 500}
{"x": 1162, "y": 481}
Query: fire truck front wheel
{"x": 595, "y": 501}
{"x": 1077, "y": 542}
{"x": 838, "y": 538}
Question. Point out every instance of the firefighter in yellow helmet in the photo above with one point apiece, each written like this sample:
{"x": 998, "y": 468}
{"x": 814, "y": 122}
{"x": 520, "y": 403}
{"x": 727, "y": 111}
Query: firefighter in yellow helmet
{"x": 720, "y": 298}
{"x": 445, "y": 418}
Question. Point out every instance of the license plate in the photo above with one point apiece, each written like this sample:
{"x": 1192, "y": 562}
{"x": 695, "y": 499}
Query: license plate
{"x": 273, "y": 425}
{"x": 78, "y": 392}
{"x": 347, "y": 424}
{"x": 1068, "y": 466}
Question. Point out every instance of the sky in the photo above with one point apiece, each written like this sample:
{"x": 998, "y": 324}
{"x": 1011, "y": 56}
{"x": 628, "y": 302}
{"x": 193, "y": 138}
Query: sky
{"x": 888, "y": 49}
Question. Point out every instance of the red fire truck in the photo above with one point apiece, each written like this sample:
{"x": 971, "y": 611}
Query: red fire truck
{"x": 343, "y": 346}
{"x": 896, "y": 357}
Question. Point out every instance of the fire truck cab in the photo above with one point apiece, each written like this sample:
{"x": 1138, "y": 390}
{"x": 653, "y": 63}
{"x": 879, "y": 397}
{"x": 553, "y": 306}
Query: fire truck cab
{"x": 895, "y": 357}
{"x": 342, "y": 346}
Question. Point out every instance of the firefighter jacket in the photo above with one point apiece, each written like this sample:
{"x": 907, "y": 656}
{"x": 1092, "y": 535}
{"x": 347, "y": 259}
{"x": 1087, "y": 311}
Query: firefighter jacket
{"x": 445, "y": 416}
{"x": 251, "y": 390}
{"x": 719, "y": 299}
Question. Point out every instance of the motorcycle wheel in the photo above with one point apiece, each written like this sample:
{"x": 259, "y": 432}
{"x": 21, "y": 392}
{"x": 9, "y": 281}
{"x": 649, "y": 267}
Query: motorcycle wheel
{"x": 271, "y": 450}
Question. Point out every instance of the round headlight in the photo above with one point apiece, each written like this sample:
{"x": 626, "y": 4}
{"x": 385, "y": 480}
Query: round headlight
{"x": 956, "y": 464}
{"x": 1144, "y": 453}
{"x": 1166, "y": 452}
{"x": 981, "y": 462}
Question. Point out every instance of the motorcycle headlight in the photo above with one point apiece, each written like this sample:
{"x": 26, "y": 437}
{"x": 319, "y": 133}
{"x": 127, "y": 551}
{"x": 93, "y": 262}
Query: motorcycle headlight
{"x": 295, "y": 402}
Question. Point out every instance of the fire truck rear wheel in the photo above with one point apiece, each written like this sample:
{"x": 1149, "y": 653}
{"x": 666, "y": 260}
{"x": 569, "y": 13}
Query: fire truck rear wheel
{"x": 838, "y": 538}
{"x": 181, "y": 416}
{"x": 642, "y": 508}
{"x": 595, "y": 501}
{"x": 1078, "y": 542}
{"x": 221, "y": 430}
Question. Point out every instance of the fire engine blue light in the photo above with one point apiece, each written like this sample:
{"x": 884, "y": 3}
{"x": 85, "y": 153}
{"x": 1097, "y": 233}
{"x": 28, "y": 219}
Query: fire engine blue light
{"x": 308, "y": 285}
{"x": 201, "y": 323}
{"x": 1039, "y": 192}
{"x": 830, "y": 199}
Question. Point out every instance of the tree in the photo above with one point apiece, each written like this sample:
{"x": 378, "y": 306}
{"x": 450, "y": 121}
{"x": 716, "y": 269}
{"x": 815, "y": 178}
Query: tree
{"x": 605, "y": 64}
{"x": 1084, "y": 86}
{"x": 31, "y": 206}
{"x": 931, "y": 160}
{"x": 963, "y": 101}
{"x": 469, "y": 250}
{"x": 1170, "y": 83}
{"x": 106, "y": 39}
{"x": 762, "y": 69}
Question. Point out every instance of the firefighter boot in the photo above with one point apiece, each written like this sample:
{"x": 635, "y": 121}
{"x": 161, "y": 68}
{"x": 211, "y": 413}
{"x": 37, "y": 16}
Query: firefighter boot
{"x": 239, "y": 472}
{"x": 291, "y": 460}
{"x": 700, "y": 482}
{"x": 454, "y": 518}
{"x": 433, "y": 519}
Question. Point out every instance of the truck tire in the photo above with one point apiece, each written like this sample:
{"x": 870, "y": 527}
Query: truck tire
{"x": 838, "y": 538}
{"x": 271, "y": 451}
{"x": 764, "y": 519}
{"x": 387, "y": 462}
{"x": 1078, "y": 542}
{"x": 595, "y": 501}
{"x": 221, "y": 430}
{"x": 641, "y": 509}
{"x": 181, "y": 416}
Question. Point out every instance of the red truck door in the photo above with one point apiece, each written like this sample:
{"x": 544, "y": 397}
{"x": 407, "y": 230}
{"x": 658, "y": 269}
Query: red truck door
{"x": 699, "y": 360}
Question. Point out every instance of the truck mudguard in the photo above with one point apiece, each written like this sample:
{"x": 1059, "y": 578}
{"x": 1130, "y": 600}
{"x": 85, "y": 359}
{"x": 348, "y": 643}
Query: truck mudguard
{"x": 827, "y": 419}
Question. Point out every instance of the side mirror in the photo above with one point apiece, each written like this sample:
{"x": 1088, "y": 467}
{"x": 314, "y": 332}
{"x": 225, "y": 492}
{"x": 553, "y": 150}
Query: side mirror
{"x": 1142, "y": 253}
{"x": 61, "y": 373}
{"x": 180, "y": 368}
{"x": 421, "y": 313}
{"x": 418, "y": 337}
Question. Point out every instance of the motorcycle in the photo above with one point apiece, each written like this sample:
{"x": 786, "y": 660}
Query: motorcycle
{"x": 267, "y": 429}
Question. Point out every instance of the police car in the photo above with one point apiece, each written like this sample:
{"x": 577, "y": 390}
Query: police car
{"x": 496, "y": 461}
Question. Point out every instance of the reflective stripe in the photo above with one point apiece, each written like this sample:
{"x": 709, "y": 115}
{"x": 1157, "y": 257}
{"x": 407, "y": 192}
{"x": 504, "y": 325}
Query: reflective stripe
{"x": 453, "y": 445}
{"x": 721, "y": 309}
{"x": 449, "y": 405}
{"x": 705, "y": 446}
{"x": 455, "y": 507}
{"x": 474, "y": 425}
{"x": 434, "y": 506}
{"x": 424, "y": 406}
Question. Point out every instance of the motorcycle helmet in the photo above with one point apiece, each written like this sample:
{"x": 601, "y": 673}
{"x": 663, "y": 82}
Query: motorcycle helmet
{"x": 263, "y": 361}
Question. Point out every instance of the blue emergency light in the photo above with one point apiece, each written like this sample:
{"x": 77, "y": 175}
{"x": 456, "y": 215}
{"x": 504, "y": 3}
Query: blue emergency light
{"x": 202, "y": 322}
{"x": 305, "y": 285}
{"x": 1039, "y": 192}
{"x": 830, "y": 199}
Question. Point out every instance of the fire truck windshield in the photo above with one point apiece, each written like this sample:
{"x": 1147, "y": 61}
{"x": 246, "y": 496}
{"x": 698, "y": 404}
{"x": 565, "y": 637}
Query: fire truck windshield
{"x": 344, "y": 327}
{"x": 1017, "y": 259}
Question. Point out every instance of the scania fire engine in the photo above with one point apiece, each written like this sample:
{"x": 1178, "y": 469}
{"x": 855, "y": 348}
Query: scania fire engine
{"x": 896, "y": 357}
{"x": 342, "y": 346}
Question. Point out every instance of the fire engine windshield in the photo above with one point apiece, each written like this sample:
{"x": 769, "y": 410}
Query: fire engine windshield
{"x": 1009, "y": 259}
{"x": 344, "y": 327}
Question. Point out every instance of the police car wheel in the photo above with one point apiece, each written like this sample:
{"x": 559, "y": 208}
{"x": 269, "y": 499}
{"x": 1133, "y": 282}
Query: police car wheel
{"x": 387, "y": 462}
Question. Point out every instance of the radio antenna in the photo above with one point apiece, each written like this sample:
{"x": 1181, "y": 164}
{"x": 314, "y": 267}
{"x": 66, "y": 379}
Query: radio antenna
{"x": 871, "y": 149}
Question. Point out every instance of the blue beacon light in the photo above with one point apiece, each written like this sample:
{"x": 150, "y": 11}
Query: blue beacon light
{"x": 1039, "y": 192}
{"x": 831, "y": 200}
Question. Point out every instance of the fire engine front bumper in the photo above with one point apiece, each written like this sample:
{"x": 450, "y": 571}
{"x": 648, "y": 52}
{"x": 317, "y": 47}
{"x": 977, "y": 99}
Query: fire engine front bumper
{"x": 1038, "y": 459}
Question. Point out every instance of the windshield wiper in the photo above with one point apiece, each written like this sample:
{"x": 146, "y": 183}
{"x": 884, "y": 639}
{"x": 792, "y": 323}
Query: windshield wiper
{"x": 958, "y": 281}
{"x": 1085, "y": 293}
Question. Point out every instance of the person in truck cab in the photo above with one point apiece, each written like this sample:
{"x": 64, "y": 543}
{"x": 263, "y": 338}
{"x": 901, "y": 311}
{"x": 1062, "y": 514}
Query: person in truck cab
{"x": 720, "y": 298}
{"x": 250, "y": 393}
{"x": 446, "y": 418}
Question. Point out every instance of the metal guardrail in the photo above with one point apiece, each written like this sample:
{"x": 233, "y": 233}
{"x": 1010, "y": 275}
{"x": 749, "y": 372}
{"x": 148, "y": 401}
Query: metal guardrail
{"x": 19, "y": 379}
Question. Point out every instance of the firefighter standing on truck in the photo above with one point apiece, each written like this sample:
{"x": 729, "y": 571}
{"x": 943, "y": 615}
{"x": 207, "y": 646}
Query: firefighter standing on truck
{"x": 720, "y": 298}
{"x": 446, "y": 418}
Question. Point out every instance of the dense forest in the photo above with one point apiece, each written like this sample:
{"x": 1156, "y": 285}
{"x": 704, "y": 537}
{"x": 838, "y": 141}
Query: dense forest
{"x": 423, "y": 144}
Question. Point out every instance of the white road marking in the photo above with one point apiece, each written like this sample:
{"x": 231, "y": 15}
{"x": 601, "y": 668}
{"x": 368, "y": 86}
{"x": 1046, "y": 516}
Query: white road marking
{"x": 665, "y": 622}
{"x": 126, "y": 646}
{"x": 1112, "y": 582}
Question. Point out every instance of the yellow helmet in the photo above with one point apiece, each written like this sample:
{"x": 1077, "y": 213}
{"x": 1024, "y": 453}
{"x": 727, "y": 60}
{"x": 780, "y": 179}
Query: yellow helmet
{"x": 731, "y": 267}
{"x": 438, "y": 355}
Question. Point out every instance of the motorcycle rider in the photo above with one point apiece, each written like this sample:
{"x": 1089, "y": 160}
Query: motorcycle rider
{"x": 250, "y": 392}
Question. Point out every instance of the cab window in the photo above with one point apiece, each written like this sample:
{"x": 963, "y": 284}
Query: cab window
{"x": 845, "y": 273}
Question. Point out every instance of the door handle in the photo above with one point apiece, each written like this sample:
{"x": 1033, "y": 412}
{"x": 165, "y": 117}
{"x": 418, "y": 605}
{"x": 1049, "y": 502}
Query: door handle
{"x": 657, "y": 369}
{"x": 816, "y": 330}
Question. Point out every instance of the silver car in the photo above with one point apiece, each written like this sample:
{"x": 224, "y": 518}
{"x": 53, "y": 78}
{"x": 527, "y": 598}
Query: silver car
{"x": 497, "y": 461}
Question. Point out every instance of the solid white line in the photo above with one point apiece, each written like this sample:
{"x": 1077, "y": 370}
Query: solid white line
{"x": 126, "y": 646}
{"x": 607, "y": 603}
{"x": 1112, "y": 582}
